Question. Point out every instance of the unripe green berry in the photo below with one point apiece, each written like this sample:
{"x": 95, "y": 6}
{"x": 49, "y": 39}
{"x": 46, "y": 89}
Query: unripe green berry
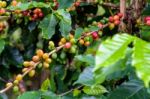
{"x": 15, "y": 88}
{"x": 54, "y": 55}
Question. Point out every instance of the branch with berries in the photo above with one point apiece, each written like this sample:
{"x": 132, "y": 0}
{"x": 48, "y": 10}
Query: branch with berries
{"x": 45, "y": 58}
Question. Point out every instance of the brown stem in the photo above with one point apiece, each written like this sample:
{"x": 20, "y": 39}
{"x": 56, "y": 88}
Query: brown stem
{"x": 122, "y": 26}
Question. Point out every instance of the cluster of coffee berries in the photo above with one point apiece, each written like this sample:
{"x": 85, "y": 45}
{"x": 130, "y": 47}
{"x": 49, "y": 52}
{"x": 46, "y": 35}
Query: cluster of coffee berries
{"x": 3, "y": 4}
{"x": 147, "y": 20}
{"x": 2, "y": 26}
{"x": 115, "y": 20}
{"x": 33, "y": 14}
{"x": 55, "y": 4}
{"x": 86, "y": 41}
{"x": 67, "y": 41}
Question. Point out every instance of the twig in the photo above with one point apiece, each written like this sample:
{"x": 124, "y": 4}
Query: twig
{"x": 70, "y": 91}
{"x": 111, "y": 5}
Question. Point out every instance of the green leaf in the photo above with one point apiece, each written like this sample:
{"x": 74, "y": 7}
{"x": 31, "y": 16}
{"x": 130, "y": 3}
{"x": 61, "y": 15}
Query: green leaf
{"x": 49, "y": 95}
{"x": 63, "y": 4}
{"x": 30, "y": 95}
{"x": 95, "y": 90}
{"x": 65, "y": 22}
{"x": 104, "y": 72}
{"x": 2, "y": 45}
{"x": 47, "y": 26}
{"x": 101, "y": 10}
{"x": 145, "y": 32}
{"x": 45, "y": 85}
{"x": 111, "y": 50}
{"x": 76, "y": 92}
{"x": 141, "y": 60}
{"x": 78, "y": 32}
{"x": 133, "y": 89}
{"x": 29, "y": 5}
{"x": 88, "y": 59}
{"x": 64, "y": 28}
{"x": 86, "y": 77}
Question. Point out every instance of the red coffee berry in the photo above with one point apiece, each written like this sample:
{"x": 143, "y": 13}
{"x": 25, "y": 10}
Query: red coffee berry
{"x": 120, "y": 15}
{"x": 117, "y": 22}
{"x": 148, "y": 23}
{"x": 95, "y": 35}
{"x": 41, "y": 14}
{"x": 111, "y": 19}
{"x": 67, "y": 45}
{"x": 116, "y": 17}
{"x": 146, "y": 18}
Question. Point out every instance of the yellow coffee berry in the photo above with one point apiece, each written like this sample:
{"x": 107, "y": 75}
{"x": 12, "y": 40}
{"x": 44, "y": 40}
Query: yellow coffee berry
{"x": 87, "y": 43}
{"x": 45, "y": 65}
{"x": 60, "y": 43}
{"x": 32, "y": 73}
{"x": 39, "y": 53}
{"x": 45, "y": 56}
{"x": 71, "y": 36}
{"x": 16, "y": 82}
{"x": 63, "y": 40}
{"x": 9, "y": 84}
{"x": 35, "y": 58}
{"x": 19, "y": 77}
{"x": 81, "y": 41}
{"x": 31, "y": 64}
{"x": 26, "y": 64}
{"x": 49, "y": 60}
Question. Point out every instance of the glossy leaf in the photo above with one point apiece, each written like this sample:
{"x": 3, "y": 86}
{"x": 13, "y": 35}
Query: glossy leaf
{"x": 30, "y": 95}
{"x": 96, "y": 90}
{"x": 86, "y": 77}
{"x": 88, "y": 59}
{"x": 45, "y": 85}
{"x": 78, "y": 33}
{"x": 111, "y": 50}
{"x": 65, "y": 3}
{"x": 133, "y": 89}
{"x": 65, "y": 21}
{"x": 49, "y": 95}
{"x": 48, "y": 26}
{"x": 141, "y": 60}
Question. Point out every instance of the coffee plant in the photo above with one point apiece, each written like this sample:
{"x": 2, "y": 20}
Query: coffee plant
{"x": 74, "y": 49}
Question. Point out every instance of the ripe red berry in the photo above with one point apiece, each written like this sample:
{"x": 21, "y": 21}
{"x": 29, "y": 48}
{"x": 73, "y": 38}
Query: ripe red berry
{"x": 95, "y": 35}
{"x": 117, "y": 22}
{"x": 116, "y": 17}
{"x": 120, "y": 15}
{"x": 35, "y": 16}
{"x": 147, "y": 18}
{"x": 67, "y": 45}
{"x": 111, "y": 19}
{"x": 41, "y": 14}
{"x": 148, "y": 23}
